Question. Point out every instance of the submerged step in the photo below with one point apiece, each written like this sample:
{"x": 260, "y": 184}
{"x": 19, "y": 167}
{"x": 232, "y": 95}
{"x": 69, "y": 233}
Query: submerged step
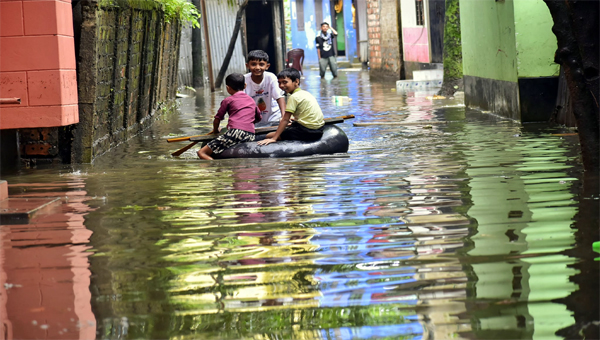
{"x": 428, "y": 74}
{"x": 418, "y": 84}
{"x": 22, "y": 210}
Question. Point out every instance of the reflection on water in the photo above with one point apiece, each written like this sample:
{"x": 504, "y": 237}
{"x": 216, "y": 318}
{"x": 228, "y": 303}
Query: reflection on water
{"x": 44, "y": 273}
{"x": 449, "y": 231}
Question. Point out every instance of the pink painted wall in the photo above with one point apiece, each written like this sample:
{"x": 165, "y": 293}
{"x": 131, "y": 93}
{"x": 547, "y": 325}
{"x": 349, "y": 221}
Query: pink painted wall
{"x": 416, "y": 44}
{"x": 37, "y": 64}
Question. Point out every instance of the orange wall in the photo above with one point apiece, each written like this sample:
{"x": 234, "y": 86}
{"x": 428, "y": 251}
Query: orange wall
{"x": 37, "y": 64}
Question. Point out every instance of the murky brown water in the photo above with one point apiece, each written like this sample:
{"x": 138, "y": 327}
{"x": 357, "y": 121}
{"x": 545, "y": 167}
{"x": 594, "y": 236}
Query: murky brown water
{"x": 460, "y": 230}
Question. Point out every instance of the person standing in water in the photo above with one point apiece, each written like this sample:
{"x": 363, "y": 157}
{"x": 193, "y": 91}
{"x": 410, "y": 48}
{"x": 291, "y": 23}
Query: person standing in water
{"x": 325, "y": 50}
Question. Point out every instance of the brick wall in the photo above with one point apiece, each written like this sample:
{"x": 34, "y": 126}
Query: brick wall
{"x": 384, "y": 38}
{"x": 374, "y": 31}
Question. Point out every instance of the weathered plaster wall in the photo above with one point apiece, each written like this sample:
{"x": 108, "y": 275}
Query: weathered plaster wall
{"x": 305, "y": 39}
{"x": 349, "y": 33}
{"x": 385, "y": 60}
{"x": 127, "y": 69}
{"x": 508, "y": 51}
{"x": 490, "y": 56}
{"x": 535, "y": 41}
{"x": 488, "y": 39}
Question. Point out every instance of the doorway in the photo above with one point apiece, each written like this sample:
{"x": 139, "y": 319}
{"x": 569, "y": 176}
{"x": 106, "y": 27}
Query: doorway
{"x": 259, "y": 29}
{"x": 337, "y": 21}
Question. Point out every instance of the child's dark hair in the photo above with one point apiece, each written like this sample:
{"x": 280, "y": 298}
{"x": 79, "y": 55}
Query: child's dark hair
{"x": 289, "y": 72}
{"x": 236, "y": 81}
{"x": 259, "y": 55}
{"x": 324, "y": 23}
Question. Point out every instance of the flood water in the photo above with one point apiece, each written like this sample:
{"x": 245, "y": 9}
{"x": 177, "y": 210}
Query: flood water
{"x": 468, "y": 229}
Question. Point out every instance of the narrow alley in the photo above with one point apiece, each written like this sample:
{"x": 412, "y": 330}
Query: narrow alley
{"x": 461, "y": 228}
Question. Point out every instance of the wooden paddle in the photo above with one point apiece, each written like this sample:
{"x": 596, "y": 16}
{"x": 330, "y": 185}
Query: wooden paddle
{"x": 258, "y": 131}
{"x": 187, "y": 147}
{"x": 184, "y": 149}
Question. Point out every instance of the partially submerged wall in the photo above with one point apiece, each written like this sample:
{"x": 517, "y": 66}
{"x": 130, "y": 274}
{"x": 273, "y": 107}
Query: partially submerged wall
{"x": 127, "y": 68}
{"x": 37, "y": 66}
{"x": 508, "y": 51}
{"x": 490, "y": 56}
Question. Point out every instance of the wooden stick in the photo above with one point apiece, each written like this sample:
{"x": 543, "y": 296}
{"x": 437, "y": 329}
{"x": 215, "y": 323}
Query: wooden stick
{"x": 405, "y": 123}
{"x": 258, "y": 131}
{"x": 184, "y": 149}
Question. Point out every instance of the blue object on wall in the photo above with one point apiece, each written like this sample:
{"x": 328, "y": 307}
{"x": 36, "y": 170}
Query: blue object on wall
{"x": 350, "y": 32}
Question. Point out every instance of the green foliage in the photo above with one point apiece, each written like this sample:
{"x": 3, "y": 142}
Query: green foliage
{"x": 173, "y": 9}
{"x": 453, "y": 68}
{"x": 180, "y": 9}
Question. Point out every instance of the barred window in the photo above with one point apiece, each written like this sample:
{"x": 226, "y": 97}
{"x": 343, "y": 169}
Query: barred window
{"x": 419, "y": 10}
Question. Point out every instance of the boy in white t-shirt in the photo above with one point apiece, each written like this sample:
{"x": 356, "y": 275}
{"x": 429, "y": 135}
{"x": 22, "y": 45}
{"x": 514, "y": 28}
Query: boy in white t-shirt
{"x": 263, "y": 87}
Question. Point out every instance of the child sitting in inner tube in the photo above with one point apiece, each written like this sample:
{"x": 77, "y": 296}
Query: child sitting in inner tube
{"x": 308, "y": 118}
{"x": 243, "y": 113}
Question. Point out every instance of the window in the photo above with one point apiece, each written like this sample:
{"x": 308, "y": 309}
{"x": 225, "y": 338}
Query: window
{"x": 300, "y": 14}
{"x": 419, "y": 10}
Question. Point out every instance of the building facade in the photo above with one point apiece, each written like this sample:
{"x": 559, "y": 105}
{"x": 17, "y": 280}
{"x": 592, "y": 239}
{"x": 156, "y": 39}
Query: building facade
{"x": 422, "y": 34}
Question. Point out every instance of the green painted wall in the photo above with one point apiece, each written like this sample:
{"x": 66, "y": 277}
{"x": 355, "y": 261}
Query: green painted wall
{"x": 488, "y": 39}
{"x": 536, "y": 43}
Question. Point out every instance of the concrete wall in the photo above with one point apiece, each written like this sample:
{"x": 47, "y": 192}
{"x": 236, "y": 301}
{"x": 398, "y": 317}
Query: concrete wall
{"x": 127, "y": 69}
{"x": 508, "y": 52}
{"x": 37, "y": 64}
{"x": 488, "y": 39}
{"x": 385, "y": 60}
{"x": 535, "y": 41}
{"x": 490, "y": 56}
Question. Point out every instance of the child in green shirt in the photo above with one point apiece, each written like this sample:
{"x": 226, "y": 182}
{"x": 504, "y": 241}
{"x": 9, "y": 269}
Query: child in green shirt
{"x": 308, "y": 117}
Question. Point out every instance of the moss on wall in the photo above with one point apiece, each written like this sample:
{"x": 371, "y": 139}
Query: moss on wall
{"x": 127, "y": 68}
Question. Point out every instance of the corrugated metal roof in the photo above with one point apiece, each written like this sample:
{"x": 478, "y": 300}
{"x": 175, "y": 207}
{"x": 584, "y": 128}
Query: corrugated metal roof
{"x": 221, "y": 20}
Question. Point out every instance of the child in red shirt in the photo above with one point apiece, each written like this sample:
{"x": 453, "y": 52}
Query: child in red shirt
{"x": 243, "y": 113}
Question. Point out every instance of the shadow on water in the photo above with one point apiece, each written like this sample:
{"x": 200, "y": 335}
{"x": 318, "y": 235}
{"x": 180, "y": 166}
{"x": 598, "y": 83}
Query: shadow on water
{"x": 476, "y": 229}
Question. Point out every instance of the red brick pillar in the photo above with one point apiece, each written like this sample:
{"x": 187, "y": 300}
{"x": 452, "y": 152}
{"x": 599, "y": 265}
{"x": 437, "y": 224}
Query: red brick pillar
{"x": 37, "y": 64}
{"x": 374, "y": 29}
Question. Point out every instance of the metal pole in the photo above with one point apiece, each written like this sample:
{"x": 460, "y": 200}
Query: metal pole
{"x": 208, "y": 55}
{"x": 10, "y": 101}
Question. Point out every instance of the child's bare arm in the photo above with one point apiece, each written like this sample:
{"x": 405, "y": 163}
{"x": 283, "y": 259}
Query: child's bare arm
{"x": 282, "y": 125}
{"x": 281, "y": 103}
{"x": 216, "y": 124}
